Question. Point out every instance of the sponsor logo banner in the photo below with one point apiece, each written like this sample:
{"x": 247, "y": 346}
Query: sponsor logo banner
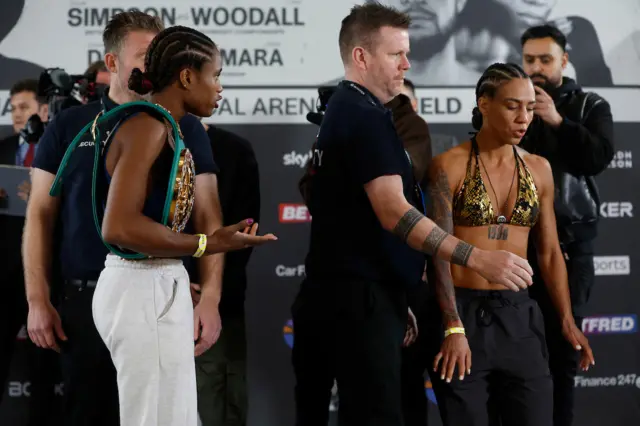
{"x": 610, "y": 324}
{"x": 290, "y": 105}
{"x": 18, "y": 389}
{"x": 616, "y": 209}
{"x": 612, "y": 265}
{"x": 293, "y": 213}
{"x": 295, "y": 158}
{"x": 620, "y": 380}
{"x": 290, "y": 271}
{"x": 622, "y": 160}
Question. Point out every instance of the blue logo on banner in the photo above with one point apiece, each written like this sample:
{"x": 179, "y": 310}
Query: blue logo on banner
{"x": 610, "y": 324}
{"x": 431, "y": 396}
{"x": 287, "y": 331}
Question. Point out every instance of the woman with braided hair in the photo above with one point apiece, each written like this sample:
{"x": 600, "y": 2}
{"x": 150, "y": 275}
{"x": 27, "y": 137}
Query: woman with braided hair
{"x": 142, "y": 306}
{"x": 497, "y": 196}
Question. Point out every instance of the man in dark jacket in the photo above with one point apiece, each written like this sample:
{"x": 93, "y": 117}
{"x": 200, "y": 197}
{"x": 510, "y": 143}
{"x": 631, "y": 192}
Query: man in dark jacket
{"x": 221, "y": 371}
{"x": 574, "y": 131}
{"x": 417, "y": 141}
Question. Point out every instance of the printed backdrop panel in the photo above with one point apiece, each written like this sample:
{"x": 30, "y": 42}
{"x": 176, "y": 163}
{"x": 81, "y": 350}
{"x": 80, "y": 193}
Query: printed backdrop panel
{"x": 275, "y": 55}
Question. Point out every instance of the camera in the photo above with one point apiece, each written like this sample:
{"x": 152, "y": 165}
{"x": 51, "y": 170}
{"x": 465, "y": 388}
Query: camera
{"x": 61, "y": 91}
{"x": 324, "y": 94}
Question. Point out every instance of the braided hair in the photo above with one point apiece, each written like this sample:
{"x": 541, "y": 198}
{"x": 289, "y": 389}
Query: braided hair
{"x": 172, "y": 50}
{"x": 493, "y": 77}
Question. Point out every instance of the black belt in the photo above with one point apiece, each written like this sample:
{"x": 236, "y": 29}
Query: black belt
{"x": 82, "y": 283}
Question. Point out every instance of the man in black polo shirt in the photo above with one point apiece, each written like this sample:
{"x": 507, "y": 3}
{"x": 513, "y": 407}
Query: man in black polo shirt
{"x": 368, "y": 239}
{"x": 89, "y": 375}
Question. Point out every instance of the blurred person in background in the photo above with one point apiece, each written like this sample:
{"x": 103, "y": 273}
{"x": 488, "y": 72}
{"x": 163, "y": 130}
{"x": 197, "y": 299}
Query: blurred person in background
{"x": 221, "y": 371}
{"x": 16, "y": 151}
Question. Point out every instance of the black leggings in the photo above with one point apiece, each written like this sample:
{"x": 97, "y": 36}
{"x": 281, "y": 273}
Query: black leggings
{"x": 510, "y": 376}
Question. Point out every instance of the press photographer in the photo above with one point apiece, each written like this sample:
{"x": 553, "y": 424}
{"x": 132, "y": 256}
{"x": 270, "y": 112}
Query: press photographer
{"x": 60, "y": 91}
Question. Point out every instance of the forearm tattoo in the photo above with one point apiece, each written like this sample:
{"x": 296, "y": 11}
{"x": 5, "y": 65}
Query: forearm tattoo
{"x": 461, "y": 253}
{"x": 407, "y": 222}
{"x": 445, "y": 292}
{"x": 440, "y": 211}
{"x": 434, "y": 240}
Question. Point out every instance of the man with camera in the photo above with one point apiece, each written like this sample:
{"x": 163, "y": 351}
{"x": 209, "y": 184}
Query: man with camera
{"x": 88, "y": 371}
{"x": 572, "y": 129}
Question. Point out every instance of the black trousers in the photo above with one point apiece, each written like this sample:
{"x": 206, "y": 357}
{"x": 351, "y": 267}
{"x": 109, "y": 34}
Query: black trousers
{"x": 90, "y": 384}
{"x": 13, "y": 314}
{"x": 563, "y": 358}
{"x": 415, "y": 360}
{"x": 353, "y": 332}
{"x": 42, "y": 364}
{"x": 510, "y": 376}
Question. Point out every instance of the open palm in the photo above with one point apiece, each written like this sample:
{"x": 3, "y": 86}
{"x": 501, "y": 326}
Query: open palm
{"x": 237, "y": 237}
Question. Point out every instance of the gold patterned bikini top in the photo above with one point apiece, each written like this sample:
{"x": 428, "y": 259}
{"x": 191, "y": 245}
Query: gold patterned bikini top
{"x": 472, "y": 205}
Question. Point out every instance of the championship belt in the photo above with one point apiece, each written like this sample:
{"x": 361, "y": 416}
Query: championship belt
{"x": 180, "y": 190}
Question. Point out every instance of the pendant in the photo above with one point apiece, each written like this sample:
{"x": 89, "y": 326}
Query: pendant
{"x": 502, "y": 219}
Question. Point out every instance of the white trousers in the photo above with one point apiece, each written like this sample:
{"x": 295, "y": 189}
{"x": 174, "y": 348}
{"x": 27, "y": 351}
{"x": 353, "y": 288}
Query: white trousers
{"x": 143, "y": 312}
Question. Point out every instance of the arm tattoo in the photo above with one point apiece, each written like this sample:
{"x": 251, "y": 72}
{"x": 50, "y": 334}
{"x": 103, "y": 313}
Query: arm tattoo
{"x": 440, "y": 198}
{"x": 433, "y": 241}
{"x": 407, "y": 222}
{"x": 461, "y": 253}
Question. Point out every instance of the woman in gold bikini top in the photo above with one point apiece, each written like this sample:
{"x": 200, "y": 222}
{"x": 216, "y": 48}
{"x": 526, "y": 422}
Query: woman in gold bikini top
{"x": 496, "y": 196}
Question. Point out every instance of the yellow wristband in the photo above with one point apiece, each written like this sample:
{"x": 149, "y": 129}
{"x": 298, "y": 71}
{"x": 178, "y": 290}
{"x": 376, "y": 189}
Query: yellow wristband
{"x": 202, "y": 246}
{"x": 454, "y": 330}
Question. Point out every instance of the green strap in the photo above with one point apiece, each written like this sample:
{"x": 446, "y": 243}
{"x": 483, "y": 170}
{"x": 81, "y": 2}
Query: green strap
{"x": 97, "y": 140}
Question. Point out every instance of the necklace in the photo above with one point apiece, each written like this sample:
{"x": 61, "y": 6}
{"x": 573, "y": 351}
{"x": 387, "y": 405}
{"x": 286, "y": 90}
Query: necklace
{"x": 177, "y": 124}
{"x": 501, "y": 219}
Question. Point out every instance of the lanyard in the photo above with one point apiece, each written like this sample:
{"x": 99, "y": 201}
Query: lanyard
{"x": 417, "y": 187}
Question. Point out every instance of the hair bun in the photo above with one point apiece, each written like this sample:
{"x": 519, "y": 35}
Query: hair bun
{"x": 476, "y": 118}
{"x": 140, "y": 82}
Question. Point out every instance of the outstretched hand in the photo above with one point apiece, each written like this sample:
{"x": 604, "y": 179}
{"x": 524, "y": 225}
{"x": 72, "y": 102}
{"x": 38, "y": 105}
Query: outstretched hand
{"x": 237, "y": 237}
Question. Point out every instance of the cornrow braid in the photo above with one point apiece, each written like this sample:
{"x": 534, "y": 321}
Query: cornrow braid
{"x": 171, "y": 51}
{"x": 493, "y": 77}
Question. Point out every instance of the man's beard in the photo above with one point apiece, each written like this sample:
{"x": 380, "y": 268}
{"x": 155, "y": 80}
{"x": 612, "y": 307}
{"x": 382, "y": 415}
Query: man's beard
{"x": 546, "y": 84}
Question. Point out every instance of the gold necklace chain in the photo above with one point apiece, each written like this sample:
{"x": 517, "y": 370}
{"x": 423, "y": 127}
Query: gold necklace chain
{"x": 177, "y": 124}
{"x": 501, "y": 217}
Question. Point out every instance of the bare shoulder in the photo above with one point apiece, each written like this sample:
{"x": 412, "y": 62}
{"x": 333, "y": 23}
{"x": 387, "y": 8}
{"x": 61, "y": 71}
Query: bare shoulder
{"x": 142, "y": 129}
{"x": 539, "y": 167}
{"x": 451, "y": 165}
{"x": 537, "y": 163}
{"x": 142, "y": 124}
{"x": 453, "y": 158}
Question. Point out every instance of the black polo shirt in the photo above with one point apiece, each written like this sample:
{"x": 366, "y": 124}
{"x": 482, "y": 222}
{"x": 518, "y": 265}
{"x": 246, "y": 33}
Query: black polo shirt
{"x": 357, "y": 143}
{"x": 79, "y": 248}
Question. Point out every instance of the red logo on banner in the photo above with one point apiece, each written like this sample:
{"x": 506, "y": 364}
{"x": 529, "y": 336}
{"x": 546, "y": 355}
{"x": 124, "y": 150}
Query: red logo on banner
{"x": 294, "y": 213}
